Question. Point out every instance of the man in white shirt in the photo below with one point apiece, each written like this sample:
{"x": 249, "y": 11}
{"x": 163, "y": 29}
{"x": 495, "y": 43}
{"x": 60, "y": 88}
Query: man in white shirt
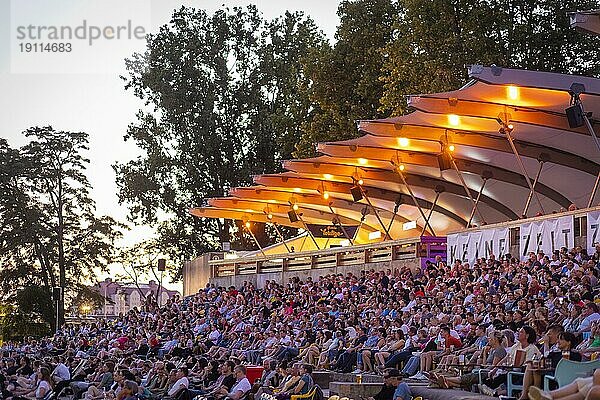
{"x": 182, "y": 382}
{"x": 61, "y": 372}
{"x": 590, "y": 314}
{"x": 61, "y": 375}
{"x": 242, "y": 384}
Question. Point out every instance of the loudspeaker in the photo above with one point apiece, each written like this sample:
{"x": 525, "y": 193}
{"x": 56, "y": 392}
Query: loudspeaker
{"x": 356, "y": 193}
{"x": 575, "y": 116}
{"x": 162, "y": 264}
{"x": 444, "y": 161}
{"x": 56, "y": 291}
{"x": 293, "y": 216}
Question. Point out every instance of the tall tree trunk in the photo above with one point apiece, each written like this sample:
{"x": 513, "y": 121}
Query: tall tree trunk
{"x": 61, "y": 257}
{"x": 46, "y": 275}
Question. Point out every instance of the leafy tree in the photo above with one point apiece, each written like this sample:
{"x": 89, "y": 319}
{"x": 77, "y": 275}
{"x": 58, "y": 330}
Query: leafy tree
{"x": 343, "y": 79}
{"x": 86, "y": 296}
{"x": 223, "y": 104}
{"x": 140, "y": 262}
{"x": 435, "y": 40}
{"x": 50, "y": 235}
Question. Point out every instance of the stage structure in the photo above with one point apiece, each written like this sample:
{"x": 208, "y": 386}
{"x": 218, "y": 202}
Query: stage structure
{"x": 509, "y": 144}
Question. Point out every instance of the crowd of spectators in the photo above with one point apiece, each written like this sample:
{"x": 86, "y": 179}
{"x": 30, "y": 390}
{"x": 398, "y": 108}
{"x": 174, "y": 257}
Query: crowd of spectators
{"x": 412, "y": 320}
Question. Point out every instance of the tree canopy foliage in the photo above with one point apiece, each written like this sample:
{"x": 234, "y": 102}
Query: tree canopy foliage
{"x": 50, "y": 235}
{"x": 343, "y": 78}
{"x": 229, "y": 95}
{"x": 435, "y": 40}
{"x": 223, "y": 103}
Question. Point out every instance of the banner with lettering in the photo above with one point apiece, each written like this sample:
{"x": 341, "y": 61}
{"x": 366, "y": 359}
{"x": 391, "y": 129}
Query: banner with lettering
{"x": 469, "y": 246}
{"x": 593, "y": 229}
{"x": 332, "y": 231}
{"x": 547, "y": 235}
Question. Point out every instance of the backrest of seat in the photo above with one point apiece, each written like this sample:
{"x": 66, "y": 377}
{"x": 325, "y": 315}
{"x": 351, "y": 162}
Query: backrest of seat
{"x": 50, "y": 395}
{"x": 567, "y": 370}
{"x": 183, "y": 394}
{"x": 317, "y": 393}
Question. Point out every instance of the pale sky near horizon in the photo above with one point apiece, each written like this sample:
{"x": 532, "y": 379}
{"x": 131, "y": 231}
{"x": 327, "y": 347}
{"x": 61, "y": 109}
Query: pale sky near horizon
{"x": 97, "y": 102}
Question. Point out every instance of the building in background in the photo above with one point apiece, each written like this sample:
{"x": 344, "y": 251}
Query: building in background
{"x": 586, "y": 21}
{"x": 122, "y": 297}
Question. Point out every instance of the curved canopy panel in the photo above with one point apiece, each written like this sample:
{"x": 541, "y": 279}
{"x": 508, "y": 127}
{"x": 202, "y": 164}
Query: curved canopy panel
{"x": 344, "y": 205}
{"x": 383, "y": 156}
{"x": 531, "y": 107}
{"x": 387, "y": 188}
{"x": 379, "y": 178}
{"x": 510, "y": 142}
{"x": 314, "y": 214}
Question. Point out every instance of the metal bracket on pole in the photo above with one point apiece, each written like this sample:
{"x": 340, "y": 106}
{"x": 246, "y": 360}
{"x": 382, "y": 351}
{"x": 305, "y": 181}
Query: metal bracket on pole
{"x": 337, "y": 219}
{"x": 364, "y": 193}
{"x": 414, "y": 199}
{"x": 438, "y": 190}
{"x": 396, "y": 207}
{"x": 485, "y": 176}
{"x": 506, "y": 129}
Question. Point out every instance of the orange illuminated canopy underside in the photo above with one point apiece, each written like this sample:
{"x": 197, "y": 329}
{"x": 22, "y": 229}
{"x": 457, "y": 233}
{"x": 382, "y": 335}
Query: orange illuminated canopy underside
{"x": 434, "y": 162}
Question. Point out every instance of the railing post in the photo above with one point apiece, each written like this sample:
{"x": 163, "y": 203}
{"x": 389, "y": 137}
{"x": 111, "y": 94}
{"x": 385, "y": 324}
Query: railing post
{"x": 285, "y": 264}
{"x": 258, "y": 267}
{"x": 236, "y": 269}
{"x": 367, "y": 256}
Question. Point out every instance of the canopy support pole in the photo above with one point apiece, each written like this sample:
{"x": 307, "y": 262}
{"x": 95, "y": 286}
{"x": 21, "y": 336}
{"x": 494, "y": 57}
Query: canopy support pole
{"x": 362, "y": 220}
{"x": 396, "y": 206}
{"x": 281, "y": 237}
{"x": 256, "y": 241}
{"x": 437, "y": 196}
{"x": 576, "y": 91}
{"x": 364, "y": 193}
{"x": 588, "y": 124}
{"x": 477, "y": 201}
{"x": 309, "y": 232}
{"x": 414, "y": 199}
{"x": 505, "y": 129}
{"x": 535, "y": 181}
{"x": 594, "y": 190}
{"x": 467, "y": 190}
{"x": 337, "y": 219}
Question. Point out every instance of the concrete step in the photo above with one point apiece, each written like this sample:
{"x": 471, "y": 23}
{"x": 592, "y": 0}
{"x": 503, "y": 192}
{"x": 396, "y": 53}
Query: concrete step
{"x": 354, "y": 390}
{"x": 446, "y": 394}
{"x": 323, "y": 378}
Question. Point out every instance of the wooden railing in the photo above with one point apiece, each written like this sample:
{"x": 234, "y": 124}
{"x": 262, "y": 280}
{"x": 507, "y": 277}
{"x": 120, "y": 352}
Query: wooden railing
{"x": 404, "y": 249}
